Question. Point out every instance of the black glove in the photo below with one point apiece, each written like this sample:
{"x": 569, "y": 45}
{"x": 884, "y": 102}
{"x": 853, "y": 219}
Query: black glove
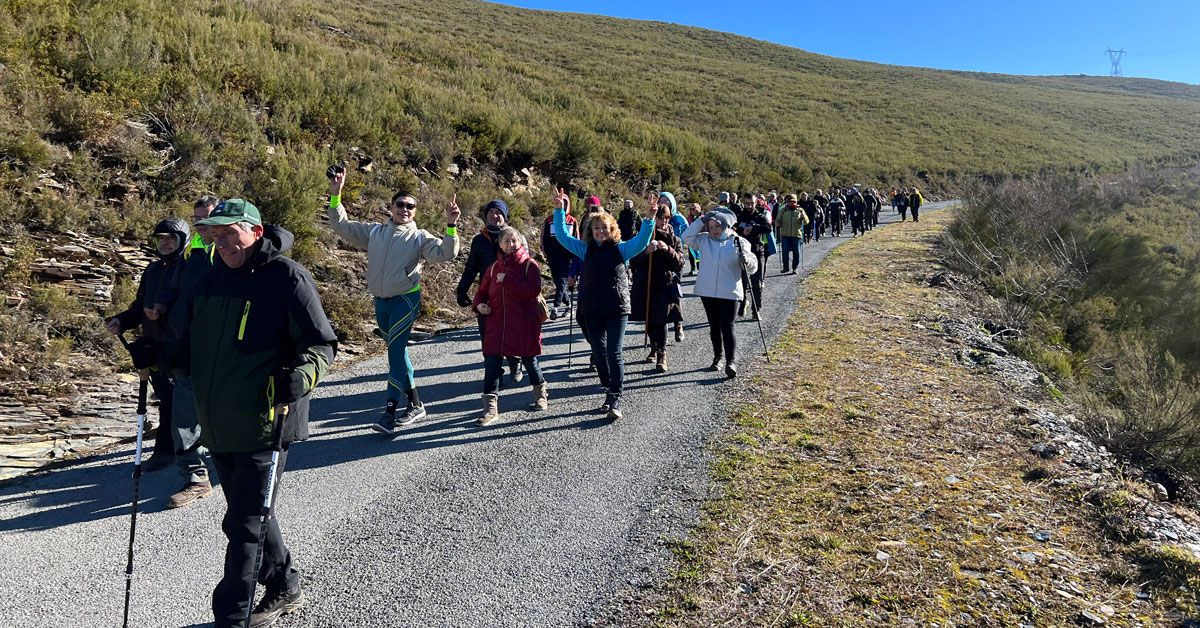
{"x": 144, "y": 352}
{"x": 464, "y": 300}
{"x": 335, "y": 170}
{"x": 290, "y": 385}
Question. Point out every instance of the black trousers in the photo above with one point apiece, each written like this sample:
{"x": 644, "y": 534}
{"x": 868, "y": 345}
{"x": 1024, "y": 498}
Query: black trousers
{"x": 657, "y": 335}
{"x": 914, "y": 209}
{"x": 164, "y": 389}
{"x": 720, "y": 313}
{"x": 244, "y": 482}
{"x": 756, "y": 286}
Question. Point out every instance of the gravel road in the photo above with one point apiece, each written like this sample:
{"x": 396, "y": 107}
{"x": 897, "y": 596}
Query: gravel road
{"x": 541, "y": 520}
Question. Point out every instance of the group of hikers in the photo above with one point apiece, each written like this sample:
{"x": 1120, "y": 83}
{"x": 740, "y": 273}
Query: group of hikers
{"x": 234, "y": 338}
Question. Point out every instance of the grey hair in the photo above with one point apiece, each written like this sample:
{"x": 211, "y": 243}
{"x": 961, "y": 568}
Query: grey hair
{"x": 520, "y": 237}
{"x": 208, "y": 200}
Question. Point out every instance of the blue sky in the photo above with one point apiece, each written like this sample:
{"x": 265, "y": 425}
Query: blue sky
{"x": 1161, "y": 38}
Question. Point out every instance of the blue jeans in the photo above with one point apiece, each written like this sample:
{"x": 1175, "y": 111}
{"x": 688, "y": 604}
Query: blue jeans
{"x": 395, "y": 316}
{"x": 791, "y": 250}
{"x": 606, "y": 334}
{"x": 493, "y": 370}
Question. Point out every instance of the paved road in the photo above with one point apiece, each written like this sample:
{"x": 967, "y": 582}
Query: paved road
{"x": 539, "y": 520}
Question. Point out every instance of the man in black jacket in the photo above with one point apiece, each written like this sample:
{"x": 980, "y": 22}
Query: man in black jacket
{"x": 484, "y": 248}
{"x": 753, "y": 224}
{"x": 627, "y": 221}
{"x": 258, "y": 343}
{"x": 856, "y": 207}
{"x": 156, "y": 295}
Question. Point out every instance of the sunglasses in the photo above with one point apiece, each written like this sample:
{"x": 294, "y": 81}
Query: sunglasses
{"x": 403, "y": 205}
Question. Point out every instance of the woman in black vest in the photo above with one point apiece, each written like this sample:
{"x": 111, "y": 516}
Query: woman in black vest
{"x": 604, "y": 292}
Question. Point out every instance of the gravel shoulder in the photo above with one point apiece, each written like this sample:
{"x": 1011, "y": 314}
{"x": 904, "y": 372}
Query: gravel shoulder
{"x": 545, "y": 519}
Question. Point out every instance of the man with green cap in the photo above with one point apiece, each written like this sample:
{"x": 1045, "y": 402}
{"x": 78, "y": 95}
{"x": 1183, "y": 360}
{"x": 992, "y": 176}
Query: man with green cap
{"x": 259, "y": 342}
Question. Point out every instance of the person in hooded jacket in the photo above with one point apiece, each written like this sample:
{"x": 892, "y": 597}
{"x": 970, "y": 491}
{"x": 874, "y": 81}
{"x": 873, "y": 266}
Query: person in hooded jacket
{"x": 484, "y": 250}
{"x": 396, "y": 252}
{"x": 719, "y": 285}
{"x": 507, "y": 297}
{"x": 915, "y": 200}
{"x": 157, "y": 293}
{"x": 834, "y": 212}
{"x": 873, "y": 205}
{"x": 258, "y": 343}
{"x": 654, "y": 299}
{"x": 856, "y": 208}
{"x": 559, "y": 260}
{"x": 603, "y": 293}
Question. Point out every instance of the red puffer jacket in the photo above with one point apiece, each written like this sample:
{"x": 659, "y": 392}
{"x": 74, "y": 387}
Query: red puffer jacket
{"x": 510, "y": 287}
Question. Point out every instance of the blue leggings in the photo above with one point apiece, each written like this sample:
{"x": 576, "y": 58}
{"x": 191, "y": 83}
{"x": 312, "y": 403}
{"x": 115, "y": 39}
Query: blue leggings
{"x": 395, "y": 316}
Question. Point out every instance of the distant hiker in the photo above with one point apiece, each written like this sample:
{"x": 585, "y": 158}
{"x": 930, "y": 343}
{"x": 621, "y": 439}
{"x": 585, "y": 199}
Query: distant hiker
{"x": 915, "y": 200}
{"x": 678, "y": 226}
{"x": 156, "y": 295}
{"x": 752, "y": 225}
{"x": 900, "y": 202}
{"x": 559, "y": 260}
{"x": 856, "y": 210}
{"x": 655, "y": 297}
{"x": 835, "y": 212}
{"x": 695, "y": 211}
{"x": 604, "y": 293}
{"x": 396, "y": 252}
{"x": 872, "y": 199}
{"x": 719, "y": 284}
{"x": 822, "y": 201}
{"x": 484, "y": 249}
{"x": 259, "y": 342}
{"x": 508, "y": 299}
{"x": 814, "y": 216}
{"x": 627, "y": 220}
{"x": 200, "y": 257}
{"x": 793, "y": 224}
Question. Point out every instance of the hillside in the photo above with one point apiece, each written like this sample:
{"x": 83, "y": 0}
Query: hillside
{"x": 114, "y": 114}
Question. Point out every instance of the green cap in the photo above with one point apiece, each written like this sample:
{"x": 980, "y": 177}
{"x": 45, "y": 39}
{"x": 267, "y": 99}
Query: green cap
{"x": 233, "y": 211}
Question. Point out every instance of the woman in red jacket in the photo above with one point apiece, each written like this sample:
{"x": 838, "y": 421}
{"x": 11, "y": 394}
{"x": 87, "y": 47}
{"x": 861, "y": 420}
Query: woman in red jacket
{"x": 507, "y": 296}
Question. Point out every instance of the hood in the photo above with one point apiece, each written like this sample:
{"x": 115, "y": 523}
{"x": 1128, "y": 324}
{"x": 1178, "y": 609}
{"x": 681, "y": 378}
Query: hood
{"x": 669, "y": 197}
{"x": 173, "y": 227}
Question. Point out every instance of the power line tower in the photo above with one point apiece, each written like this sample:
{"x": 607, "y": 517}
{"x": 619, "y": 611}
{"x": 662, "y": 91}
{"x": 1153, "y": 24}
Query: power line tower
{"x": 1115, "y": 57}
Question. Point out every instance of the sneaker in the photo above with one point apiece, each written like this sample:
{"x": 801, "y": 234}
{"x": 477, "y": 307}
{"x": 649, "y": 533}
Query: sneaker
{"x": 157, "y": 462}
{"x": 731, "y": 369}
{"x": 414, "y": 413}
{"x": 716, "y": 364}
{"x": 755, "y": 317}
{"x": 276, "y": 603}
{"x": 607, "y": 405}
{"x": 189, "y": 494}
{"x": 553, "y": 313}
{"x": 387, "y": 423}
{"x": 614, "y": 409}
{"x": 679, "y": 334}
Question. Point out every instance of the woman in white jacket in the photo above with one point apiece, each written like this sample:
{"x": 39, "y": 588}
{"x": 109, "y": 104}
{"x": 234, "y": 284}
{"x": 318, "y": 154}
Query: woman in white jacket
{"x": 719, "y": 284}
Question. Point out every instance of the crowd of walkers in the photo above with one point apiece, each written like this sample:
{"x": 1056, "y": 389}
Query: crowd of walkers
{"x": 233, "y": 337}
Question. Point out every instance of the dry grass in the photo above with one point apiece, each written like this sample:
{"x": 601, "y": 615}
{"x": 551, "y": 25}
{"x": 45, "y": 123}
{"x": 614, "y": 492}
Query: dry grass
{"x": 875, "y": 481}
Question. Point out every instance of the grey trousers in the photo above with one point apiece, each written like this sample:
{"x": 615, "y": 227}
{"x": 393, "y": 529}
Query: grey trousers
{"x": 186, "y": 433}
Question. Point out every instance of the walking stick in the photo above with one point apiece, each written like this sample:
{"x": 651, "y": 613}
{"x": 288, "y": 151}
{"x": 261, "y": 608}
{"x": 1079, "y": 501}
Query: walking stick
{"x": 649, "y": 278}
{"x": 268, "y": 497}
{"x": 753, "y": 301}
{"x": 143, "y": 376}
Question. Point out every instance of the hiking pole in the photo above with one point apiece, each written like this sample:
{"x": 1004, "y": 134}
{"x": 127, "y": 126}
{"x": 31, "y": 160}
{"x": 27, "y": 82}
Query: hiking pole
{"x": 268, "y": 497}
{"x": 143, "y": 376}
{"x": 570, "y": 328}
{"x": 802, "y": 256}
{"x": 753, "y": 301}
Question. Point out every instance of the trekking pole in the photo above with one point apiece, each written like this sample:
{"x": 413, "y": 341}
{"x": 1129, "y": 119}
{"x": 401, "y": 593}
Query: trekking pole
{"x": 143, "y": 376}
{"x": 570, "y": 328}
{"x": 753, "y": 302}
{"x": 265, "y": 512}
{"x": 801, "y": 256}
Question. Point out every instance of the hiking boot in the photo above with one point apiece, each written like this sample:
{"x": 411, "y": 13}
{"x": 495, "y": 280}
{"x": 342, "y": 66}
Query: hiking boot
{"x": 387, "y": 423}
{"x": 553, "y": 313}
{"x": 731, "y": 368}
{"x": 716, "y": 364}
{"x": 491, "y": 409}
{"x": 650, "y": 356}
{"x": 518, "y": 373}
{"x": 541, "y": 396}
{"x": 157, "y": 462}
{"x": 415, "y": 412}
{"x": 608, "y": 398}
{"x": 275, "y": 603}
{"x": 661, "y": 364}
{"x": 189, "y": 494}
{"x": 679, "y": 333}
{"x": 614, "y": 409}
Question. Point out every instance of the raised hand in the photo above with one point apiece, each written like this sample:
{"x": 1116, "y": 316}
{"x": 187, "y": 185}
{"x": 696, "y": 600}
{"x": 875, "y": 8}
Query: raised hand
{"x": 336, "y": 183}
{"x": 452, "y": 211}
{"x": 562, "y": 200}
